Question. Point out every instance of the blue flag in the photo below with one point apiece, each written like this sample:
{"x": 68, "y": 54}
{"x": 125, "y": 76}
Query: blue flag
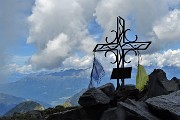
{"x": 97, "y": 72}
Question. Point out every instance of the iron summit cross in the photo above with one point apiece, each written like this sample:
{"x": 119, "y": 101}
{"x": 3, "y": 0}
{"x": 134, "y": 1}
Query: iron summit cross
{"x": 120, "y": 46}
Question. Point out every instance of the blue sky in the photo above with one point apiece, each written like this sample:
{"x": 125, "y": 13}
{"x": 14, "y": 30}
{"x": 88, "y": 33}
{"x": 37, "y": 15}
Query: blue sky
{"x": 43, "y": 34}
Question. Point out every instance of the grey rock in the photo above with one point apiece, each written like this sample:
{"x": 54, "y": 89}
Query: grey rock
{"x": 167, "y": 106}
{"x": 177, "y": 81}
{"x": 155, "y": 86}
{"x": 140, "y": 109}
{"x": 93, "y": 97}
{"x": 129, "y": 91}
{"x": 116, "y": 113}
{"x": 175, "y": 78}
{"x": 108, "y": 89}
{"x": 160, "y": 74}
{"x": 170, "y": 85}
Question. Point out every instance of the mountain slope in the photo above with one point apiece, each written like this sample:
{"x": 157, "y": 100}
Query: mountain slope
{"x": 25, "y": 107}
{"x": 7, "y": 102}
{"x": 52, "y": 88}
{"x": 74, "y": 99}
{"x": 55, "y": 87}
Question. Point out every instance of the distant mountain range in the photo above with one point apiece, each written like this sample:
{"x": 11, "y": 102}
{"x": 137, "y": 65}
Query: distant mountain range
{"x": 55, "y": 87}
{"x": 49, "y": 87}
{"x": 7, "y": 102}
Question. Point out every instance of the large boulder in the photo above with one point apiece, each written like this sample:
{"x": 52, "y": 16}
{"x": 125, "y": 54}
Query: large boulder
{"x": 138, "y": 110}
{"x": 170, "y": 85}
{"x": 93, "y": 97}
{"x": 155, "y": 86}
{"x": 160, "y": 74}
{"x": 129, "y": 91}
{"x": 166, "y": 106}
{"x": 108, "y": 89}
{"x": 115, "y": 113}
{"x": 177, "y": 81}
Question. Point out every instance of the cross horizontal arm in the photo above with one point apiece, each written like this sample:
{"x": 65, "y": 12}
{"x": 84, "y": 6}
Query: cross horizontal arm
{"x": 105, "y": 47}
{"x": 136, "y": 45}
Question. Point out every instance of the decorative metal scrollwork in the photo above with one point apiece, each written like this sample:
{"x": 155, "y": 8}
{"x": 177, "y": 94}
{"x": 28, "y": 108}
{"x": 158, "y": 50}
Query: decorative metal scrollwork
{"x": 121, "y": 45}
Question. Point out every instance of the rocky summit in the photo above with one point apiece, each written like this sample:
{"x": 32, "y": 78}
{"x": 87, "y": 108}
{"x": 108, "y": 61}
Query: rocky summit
{"x": 158, "y": 101}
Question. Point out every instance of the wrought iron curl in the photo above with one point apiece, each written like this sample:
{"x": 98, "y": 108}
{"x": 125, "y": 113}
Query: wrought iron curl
{"x": 135, "y": 51}
{"x": 120, "y": 46}
{"x": 136, "y": 37}
{"x": 106, "y": 39}
{"x": 113, "y": 53}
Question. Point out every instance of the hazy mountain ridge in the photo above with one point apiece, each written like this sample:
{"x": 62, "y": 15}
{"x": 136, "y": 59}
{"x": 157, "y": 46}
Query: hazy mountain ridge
{"x": 7, "y": 102}
{"x": 56, "y": 82}
{"x": 74, "y": 99}
{"x": 55, "y": 87}
{"x": 48, "y": 87}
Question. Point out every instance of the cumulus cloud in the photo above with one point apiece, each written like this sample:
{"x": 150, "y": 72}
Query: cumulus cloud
{"x": 55, "y": 51}
{"x": 167, "y": 58}
{"x": 59, "y": 29}
{"x": 20, "y": 69}
{"x": 141, "y": 14}
{"x": 168, "y": 27}
{"x": 77, "y": 62}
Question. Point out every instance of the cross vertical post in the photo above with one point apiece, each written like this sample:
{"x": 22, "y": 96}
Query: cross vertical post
{"x": 120, "y": 46}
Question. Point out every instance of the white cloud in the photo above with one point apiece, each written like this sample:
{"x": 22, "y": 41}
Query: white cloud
{"x": 167, "y": 58}
{"x": 143, "y": 13}
{"x": 56, "y": 50}
{"x": 59, "y": 29}
{"x": 147, "y": 18}
{"x": 77, "y": 62}
{"x": 21, "y": 69}
{"x": 168, "y": 28}
{"x": 63, "y": 25}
